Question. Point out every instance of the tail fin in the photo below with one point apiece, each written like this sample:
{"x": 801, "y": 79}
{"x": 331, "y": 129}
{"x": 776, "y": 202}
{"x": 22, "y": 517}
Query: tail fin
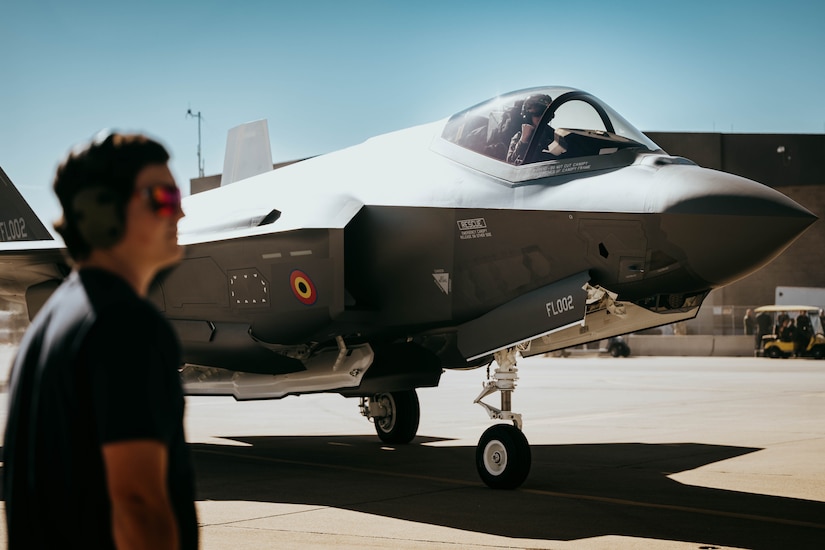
{"x": 18, "y": 222}
{"x": 248, "y": 152}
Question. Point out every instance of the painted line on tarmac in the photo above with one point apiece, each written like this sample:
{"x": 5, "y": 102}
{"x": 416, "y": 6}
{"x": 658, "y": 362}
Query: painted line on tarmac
{"x": 574, "y": 496}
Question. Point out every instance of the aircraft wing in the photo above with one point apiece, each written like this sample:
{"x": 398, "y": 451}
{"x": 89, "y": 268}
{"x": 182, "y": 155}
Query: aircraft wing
{"x": 25, "y": 266}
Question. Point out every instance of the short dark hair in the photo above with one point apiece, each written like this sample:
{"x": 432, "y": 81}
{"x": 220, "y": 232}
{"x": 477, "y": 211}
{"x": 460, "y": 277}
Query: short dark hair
{"x": 111, "y": 161}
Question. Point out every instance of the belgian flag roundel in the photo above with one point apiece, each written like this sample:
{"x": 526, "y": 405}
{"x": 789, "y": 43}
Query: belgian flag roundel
{"x": 302, "y": 287}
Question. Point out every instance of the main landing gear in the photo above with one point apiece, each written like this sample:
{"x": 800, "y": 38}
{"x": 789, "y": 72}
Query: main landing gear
{"x": 395, "y": 415}
{"x": 503, "y": 454}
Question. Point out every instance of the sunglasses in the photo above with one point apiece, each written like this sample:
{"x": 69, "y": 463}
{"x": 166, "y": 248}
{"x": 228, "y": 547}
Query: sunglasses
{"x": 164, "y": 199}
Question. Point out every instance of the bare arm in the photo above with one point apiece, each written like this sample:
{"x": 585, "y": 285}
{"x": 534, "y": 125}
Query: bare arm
{"x": 142, "y": 515}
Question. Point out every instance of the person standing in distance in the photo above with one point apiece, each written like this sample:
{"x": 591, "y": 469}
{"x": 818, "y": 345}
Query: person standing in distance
{"x": 94, "y": 452}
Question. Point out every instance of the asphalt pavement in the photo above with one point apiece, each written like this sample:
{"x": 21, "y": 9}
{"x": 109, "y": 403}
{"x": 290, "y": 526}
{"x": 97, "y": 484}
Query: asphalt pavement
{"x": 647, "y": 452}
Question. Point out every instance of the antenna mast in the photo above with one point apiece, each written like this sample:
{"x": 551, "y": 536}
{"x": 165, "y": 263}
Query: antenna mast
{"x": 200, "y": 160}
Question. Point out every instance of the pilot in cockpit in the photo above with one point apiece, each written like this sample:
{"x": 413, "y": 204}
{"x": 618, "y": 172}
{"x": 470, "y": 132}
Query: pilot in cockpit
{"x": 532, "y": 111}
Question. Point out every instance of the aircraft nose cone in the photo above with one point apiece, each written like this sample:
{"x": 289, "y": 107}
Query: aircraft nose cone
{"x": 729, "y": 226}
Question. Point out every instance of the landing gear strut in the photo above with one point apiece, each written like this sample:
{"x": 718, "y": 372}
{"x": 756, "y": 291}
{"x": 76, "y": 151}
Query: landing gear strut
{"x": 503, "y": 454}
{"x": 396, "y": 415}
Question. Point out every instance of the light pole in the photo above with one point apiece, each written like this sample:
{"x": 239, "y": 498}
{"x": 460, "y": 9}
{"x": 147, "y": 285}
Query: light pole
{"x": 200, "y": 160}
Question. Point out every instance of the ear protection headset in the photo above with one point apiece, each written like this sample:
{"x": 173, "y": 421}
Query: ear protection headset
{"x": 98, "y": 217}
{"x": 97, "y": 212}
{"x": 535, "y": 102}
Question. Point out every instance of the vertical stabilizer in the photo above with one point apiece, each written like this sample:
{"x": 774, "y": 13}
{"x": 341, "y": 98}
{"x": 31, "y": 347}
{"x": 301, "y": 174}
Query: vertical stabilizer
{"x": 18, "y": 222}
{"x": 248, "y": 152}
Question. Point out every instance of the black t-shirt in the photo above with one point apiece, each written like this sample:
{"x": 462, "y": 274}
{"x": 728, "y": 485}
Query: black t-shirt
{"x": 98, "y": 365}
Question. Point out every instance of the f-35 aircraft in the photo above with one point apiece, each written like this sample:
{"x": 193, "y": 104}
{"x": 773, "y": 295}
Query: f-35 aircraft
{"x": 535, "y": 221}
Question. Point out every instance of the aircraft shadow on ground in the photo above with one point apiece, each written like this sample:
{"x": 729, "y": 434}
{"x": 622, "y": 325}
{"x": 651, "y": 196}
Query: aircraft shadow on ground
{"x": 573, "y": 492}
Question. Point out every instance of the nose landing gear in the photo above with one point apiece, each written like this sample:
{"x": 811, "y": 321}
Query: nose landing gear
{"x": 503, "y": 456}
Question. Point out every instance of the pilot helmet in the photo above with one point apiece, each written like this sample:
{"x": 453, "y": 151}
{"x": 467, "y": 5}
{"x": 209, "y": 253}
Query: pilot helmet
{"x": 535, "y": 105}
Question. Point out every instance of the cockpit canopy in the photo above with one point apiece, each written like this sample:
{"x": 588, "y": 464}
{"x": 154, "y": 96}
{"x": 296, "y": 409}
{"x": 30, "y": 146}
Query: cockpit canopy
{"x": 563, "y": 124}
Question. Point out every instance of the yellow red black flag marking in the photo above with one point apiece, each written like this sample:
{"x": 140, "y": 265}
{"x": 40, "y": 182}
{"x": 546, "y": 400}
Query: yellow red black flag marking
{"x": 302, "y": 287}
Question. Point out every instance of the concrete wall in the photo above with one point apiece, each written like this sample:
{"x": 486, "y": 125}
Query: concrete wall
{"x": 777, "y": 160}
{"x": 693, "y": 346}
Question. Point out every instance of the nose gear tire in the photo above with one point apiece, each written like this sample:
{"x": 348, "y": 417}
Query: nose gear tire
{"x": 503, "y": 457}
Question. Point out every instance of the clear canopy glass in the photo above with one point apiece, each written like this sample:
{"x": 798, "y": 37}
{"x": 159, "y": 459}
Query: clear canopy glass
{"x": 544, "y": 124}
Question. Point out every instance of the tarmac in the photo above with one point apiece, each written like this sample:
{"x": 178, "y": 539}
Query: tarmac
{"x": 644, "y": 452}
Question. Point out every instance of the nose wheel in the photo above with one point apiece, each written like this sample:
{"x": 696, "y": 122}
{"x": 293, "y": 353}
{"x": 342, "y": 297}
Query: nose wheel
{"x": 503, "y": 456}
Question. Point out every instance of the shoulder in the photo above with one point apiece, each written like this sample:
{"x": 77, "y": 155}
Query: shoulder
{"x": 63, "y": 319}
{"x": 113, "y": 300}
{"x": 123, "y": 320}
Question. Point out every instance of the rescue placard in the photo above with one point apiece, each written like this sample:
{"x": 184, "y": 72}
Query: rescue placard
{"x": 474, "y": 228}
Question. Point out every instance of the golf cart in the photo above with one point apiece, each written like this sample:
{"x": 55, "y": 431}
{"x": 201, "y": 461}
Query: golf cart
{"x": 777, "y": 342}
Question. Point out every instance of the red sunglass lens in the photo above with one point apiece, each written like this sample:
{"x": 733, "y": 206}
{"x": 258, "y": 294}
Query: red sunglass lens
{"x": 165, "y": 199}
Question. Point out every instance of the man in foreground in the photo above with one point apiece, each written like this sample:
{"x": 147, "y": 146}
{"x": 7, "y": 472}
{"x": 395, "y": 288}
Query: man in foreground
{"x": 94, "y": 451}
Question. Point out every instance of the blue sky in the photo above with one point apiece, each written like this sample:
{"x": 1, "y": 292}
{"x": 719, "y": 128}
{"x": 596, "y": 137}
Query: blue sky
{"x": 329, "y": 74}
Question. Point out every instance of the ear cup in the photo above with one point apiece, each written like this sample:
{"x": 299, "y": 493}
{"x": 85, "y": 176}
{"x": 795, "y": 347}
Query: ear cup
{"x": 97, "y": 217}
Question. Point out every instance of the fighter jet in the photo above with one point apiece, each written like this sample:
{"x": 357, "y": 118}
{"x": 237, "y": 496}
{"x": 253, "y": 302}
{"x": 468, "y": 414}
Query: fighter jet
{"x": 531, "y": 222}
